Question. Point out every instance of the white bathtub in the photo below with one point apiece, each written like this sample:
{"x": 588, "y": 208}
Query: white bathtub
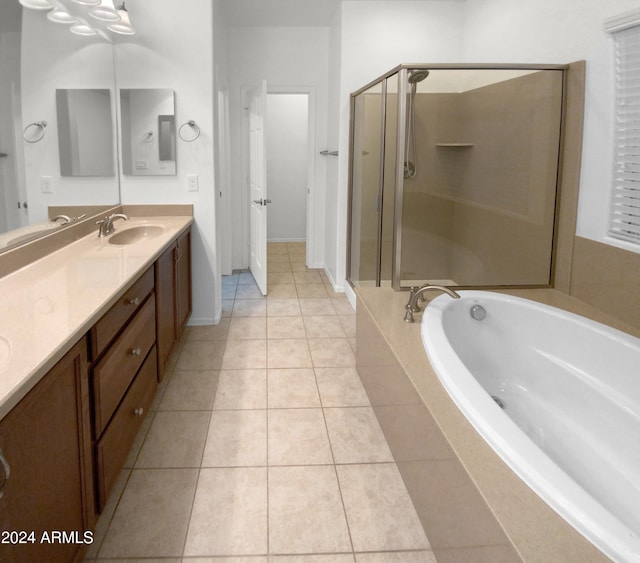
{"x": 570, "y": 388}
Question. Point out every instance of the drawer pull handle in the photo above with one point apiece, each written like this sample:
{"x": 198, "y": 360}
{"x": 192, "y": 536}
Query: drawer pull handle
{"x": 134, "y": 301}
{"x": 139, "y": 411}
{"x": 136, "y": 351}
{"x": 6, "y": 472}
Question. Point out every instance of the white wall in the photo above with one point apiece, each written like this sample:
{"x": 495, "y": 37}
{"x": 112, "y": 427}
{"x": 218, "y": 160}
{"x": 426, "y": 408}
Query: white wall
{"x": 287, "y": 141}
{"x": 173, "y": 48}
{"x": 553, "y": 31}
{"x": 374, "y": 37}
{"x": 287, "y": 58}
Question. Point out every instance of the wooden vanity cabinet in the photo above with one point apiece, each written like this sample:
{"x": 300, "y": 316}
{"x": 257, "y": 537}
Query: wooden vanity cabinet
{"x": 46, "y": 468}
{"x": 173, "y": 296}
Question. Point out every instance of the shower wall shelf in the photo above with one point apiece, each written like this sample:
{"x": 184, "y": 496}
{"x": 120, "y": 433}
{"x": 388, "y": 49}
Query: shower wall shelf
{"x": 455, "y": 145}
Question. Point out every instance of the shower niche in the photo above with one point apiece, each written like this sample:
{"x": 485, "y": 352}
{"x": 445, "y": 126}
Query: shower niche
{"x": 454, "y": 175}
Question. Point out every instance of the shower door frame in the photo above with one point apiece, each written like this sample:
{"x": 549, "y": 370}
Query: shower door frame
{"x": 402, "y": 72}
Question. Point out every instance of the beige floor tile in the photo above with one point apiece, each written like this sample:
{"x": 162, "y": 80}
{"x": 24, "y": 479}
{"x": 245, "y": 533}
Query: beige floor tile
{"x": 297, "y": 437}
{"x": 175, "y": 439}
{"x": 200, "y": 355}
{"x": 248, "y": 559}
{"x": 305, "y": 511}
{"x": 248, "y": 291}
{"x": 279, "y": 277}
{"x": 296, "y": 246}
{"x": 397, "y": 557}
{"x": 249, "y": 308}
{"x": 229, "y": 291}
{"x": 279, "y": 266}
{"x": 277, "y": 247}
{"x": 315, "y": 306}
{"x": 333, "y": 558}
{"x": 310, "y": 276}
{"x": 246, "y": 278}
{"x": 236, "y": 439}
{"x": 331, "y": 352}
{"x": 312, "y": 290}
{"x": 356, "y": 436}
{"x": 341, "y": 387}
{"x": 348, "y": 324}
{"x": 288, "y": 353}
{"x": 190, "y": 391}
{"x": 248, "y": 328}
{"x": 380, "y": 513}
{"x": 153, "y": 514}
{"x": 342, "y": 306}
{"x": 210, "y": 332}
{"x": 298, "y": 263}
{"x": 285, "y": 327}
{"x": 227, "y": 308}
{"x": 241, "y": 389}
{"x": 283, "y": 307}
{"x": 292, "y": 388}
{"x": 282, "y": 291}
{"x": 325, "y": 326}
{"x": 245, "y": 354}
{"x": 229, "y": 513}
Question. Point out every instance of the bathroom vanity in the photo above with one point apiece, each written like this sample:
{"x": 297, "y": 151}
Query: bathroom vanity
{"x": 85, "y": 333}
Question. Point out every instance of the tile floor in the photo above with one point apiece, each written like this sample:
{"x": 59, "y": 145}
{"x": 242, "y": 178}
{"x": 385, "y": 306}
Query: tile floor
{"x": 262, "y": 446}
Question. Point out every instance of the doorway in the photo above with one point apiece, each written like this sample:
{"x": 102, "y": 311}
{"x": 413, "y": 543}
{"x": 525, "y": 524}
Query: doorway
{"x": 287, "y": 124}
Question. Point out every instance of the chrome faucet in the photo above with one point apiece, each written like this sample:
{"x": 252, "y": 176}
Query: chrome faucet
{"x": 105, "y": 226}
{"x": 416, "y": 294}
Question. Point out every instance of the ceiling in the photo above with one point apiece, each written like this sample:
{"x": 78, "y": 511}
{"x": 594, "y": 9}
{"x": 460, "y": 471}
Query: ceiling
{"x": 280, "y": 13}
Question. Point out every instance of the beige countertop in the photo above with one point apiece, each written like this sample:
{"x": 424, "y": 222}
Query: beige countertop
{"x": 48, "y": 305}
{"x": 537, "y": 532}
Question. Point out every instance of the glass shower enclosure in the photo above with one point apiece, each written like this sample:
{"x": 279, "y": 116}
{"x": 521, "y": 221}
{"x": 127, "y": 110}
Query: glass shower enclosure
{"x": 454, "y": 175}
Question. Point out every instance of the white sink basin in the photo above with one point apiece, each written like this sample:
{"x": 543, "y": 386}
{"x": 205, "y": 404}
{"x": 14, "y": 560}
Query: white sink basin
{"x": 135, "y": 234}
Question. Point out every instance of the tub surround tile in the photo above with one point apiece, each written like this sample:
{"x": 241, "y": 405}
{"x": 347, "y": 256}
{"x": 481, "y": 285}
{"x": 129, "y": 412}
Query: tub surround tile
{"x": 153, "y": 514}
{"x": 305, "y": 511}
{"x": 229, "y": 513}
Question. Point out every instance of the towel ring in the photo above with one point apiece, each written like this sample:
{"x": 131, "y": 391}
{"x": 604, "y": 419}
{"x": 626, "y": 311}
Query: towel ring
{"x": 194, "y": 126}
{"x": 41, "y": 125}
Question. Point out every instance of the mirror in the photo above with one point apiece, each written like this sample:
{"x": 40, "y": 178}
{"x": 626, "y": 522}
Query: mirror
{"x": 38, "y": 58}
{"x": 148, "y": 127}
{"x": 85, "y": 142}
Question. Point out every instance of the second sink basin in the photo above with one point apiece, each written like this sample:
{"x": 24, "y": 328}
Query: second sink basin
{"x": 135, "y": 234}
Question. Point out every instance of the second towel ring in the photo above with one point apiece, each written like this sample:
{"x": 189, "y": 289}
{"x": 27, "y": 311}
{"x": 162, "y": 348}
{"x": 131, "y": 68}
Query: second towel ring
{"x": 41, "y": 125}
{"x": 194, "y": 126}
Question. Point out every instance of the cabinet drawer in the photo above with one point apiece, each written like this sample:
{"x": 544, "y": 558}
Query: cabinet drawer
{"x": 113, "y": 320}
{"x": 114, "y": 372}
{"x": 113, "y": 448}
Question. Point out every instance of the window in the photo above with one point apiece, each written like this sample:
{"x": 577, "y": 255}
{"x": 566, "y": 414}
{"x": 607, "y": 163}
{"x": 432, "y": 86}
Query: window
{"x": 624, "y": 218}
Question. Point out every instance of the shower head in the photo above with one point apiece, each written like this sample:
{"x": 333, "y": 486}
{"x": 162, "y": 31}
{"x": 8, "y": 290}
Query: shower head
{"x": 416, "y": 76}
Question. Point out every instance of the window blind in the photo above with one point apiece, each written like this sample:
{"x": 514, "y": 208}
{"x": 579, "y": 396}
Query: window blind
{"x": 624, "y": 219}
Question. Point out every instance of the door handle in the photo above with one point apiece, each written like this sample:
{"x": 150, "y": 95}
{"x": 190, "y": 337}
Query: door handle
{"x": 262, "y": 201}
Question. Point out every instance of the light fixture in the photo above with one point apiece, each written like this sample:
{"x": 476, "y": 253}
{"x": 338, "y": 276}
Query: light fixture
{"x": 59, "y": 15}
{"x": 37, "y": 4}
{"x": 87, "y": 2}
{"x": 123, "y": 26}
{"x": 105, "y": 12}
{"x": 82, "y": 29}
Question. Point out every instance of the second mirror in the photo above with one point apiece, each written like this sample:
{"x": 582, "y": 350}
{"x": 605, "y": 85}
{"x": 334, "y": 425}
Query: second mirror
{"x": 148, "y": 132}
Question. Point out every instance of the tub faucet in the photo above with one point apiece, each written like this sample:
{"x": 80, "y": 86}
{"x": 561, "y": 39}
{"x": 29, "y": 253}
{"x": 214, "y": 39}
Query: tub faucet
{"x": 416, "y": 294}
{"x": 105, "y": 226}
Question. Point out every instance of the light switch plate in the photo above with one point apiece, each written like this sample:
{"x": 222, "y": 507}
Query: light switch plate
{"x": 46, "y": 184}
{"x": 192, "y": 183}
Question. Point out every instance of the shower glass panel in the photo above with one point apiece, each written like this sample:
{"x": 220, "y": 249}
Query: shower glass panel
{"x": 367, "y": 137}
{"x": 468, "y": 183}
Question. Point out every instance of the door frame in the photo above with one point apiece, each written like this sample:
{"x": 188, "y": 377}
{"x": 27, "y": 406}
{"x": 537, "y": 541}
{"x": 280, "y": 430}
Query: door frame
{"x": 310, "y": 91}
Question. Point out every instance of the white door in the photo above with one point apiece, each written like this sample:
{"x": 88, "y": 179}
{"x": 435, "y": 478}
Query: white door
{"x": 257, "y": 98}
